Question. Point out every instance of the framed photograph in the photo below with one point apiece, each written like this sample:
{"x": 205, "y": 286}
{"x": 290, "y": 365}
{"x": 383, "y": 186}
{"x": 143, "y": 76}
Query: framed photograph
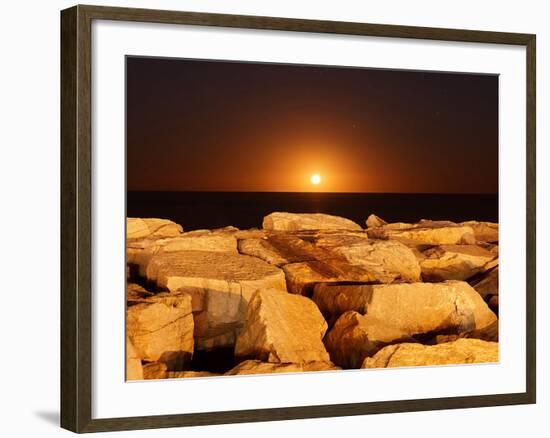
{"x": 269, "y": 218}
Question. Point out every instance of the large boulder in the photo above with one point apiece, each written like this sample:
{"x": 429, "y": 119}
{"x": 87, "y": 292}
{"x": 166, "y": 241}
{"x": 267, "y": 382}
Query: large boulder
{"x": 282, "y": 221}
{"x": 413, "y": 308}
{"x": 160, "y": 328}
{"x": 425, "y": 232}
{"x": 454, "y": 262}
{"x": 461, "y": 351}
{"x": 309, "y": 257}
{"x": 302, "y": 277}
{"x": 137, "y": 228}
{"x": 220, "y": 284}
{"x": 259, "y": 367}
{"x": 383, "y": 257}
{"x": 355, "y": 337}
{"x": 140, "y": 252}
{"x": 282, "y": 328}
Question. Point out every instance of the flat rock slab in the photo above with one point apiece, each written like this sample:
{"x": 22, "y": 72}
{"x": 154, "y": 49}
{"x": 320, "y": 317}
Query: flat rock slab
{"x": 137, "y": 228}
{"x": 140, "y": 252}
{"x": 221, "y": 285}
{"x": 413, "y": 308}
{"x": 355, "y": 337}
{"x": 259, "y": 367}
{"x": 462, "y": 351}
{"x": 425, "y": 232}
{"x": 282, "y": 328}
{"x": 282, "y": 221}
{"x": 160, "y": 328}
{"x": 454, "y": 262}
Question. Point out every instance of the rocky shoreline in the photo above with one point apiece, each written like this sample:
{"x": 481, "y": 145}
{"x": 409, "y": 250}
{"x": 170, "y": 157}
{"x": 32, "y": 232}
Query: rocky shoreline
{"x": 309, "y": 292}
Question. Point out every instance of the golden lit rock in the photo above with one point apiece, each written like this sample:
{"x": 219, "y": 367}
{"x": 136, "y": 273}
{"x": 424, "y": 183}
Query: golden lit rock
{"x": 462, "y": 351}
{"x": 281, "y": 328}
{"x": 282, "y": 221}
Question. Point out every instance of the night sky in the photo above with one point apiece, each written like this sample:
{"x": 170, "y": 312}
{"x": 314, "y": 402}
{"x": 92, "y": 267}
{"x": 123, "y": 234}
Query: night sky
{"x": 226, "y": 126}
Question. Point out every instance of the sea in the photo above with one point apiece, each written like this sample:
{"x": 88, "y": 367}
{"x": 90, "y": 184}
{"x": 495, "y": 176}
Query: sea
{"x": 200, "y": 210}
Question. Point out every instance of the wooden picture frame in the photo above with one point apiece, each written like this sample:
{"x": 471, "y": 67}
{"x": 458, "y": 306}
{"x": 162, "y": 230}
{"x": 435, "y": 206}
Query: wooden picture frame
{"x": 76, "y": 237}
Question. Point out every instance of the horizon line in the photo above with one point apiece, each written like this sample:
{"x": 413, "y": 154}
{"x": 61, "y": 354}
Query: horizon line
{"x": 314, "y": 192}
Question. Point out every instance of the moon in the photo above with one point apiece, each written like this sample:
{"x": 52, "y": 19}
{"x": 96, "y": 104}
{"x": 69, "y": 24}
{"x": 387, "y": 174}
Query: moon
{"x": 315, "y": 179}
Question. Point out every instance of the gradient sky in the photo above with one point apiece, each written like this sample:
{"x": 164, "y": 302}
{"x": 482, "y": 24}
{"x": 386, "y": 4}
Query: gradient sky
{"x": 226, "y": 126}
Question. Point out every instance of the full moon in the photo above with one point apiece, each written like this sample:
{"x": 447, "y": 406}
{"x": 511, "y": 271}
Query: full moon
{"x": 315, "y": 179}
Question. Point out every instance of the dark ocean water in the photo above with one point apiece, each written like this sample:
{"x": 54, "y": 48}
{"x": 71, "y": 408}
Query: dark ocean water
{"x": 195, "y": 210}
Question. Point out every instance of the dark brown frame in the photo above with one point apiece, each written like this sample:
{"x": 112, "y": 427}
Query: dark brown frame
{"x": 76, "y": 239}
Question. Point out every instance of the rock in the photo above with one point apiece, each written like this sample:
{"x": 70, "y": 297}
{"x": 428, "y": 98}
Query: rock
{"x": 263, "y": 249}
{"x": 161, "y": 328}
{"x": 483, "y": 231}
{"x": 134, "y": 369}
{"x": 154, "y": 370}
{"x": 487, "y": 286}
{"x": 140, "y": 252}
{"x": 413, "y": 308}
{"x": 189, "y": 374}
{"x": 220, "y": 284}
{"x": 259, "y": 367}
{"x": 386, "y": 258}
{"x": 489, "y": 333}
{"x": 302, "y": 277}
{"x": 280, "y": 221}
{"x": 329, "y": 256}
{"x": 281, "y": 328}
{"x": 425, "y": 232}
{"x": 355, "y": 337}
{"x": 137, "y": 228}
{"x": 374, "y": 221}
{"x": 454, "y": 262}
{"x": 462, "y": 351}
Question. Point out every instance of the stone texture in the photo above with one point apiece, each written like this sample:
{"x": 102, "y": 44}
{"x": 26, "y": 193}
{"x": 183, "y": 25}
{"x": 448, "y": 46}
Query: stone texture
{"x": 462, "y": 351}
{"x": 137, "y": 228}
{"x": 454, "y": 262}
{"x": 281, "y": 328}
{"x": 383, "y": 257}
{"x": 487, "y": 285}
{"x": 425, "y": 232}
{"x": 413, "y": 308}
{"x": 134, "y": 369}
{"x": 354, "y": 337}
{"x": 302, "y": 277}
{"x": 140, "y": 252}
{"x": 154, "y": 370}
{"x": 282, "y": 221}
{"x": 483, "y": 231}
{"x": 220, "y": 284}
{"x": 374, "y": 221}
{"x": 259, "y": 367}
{"x": 161, "y": 328}
{"x": 310, "y": 257}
